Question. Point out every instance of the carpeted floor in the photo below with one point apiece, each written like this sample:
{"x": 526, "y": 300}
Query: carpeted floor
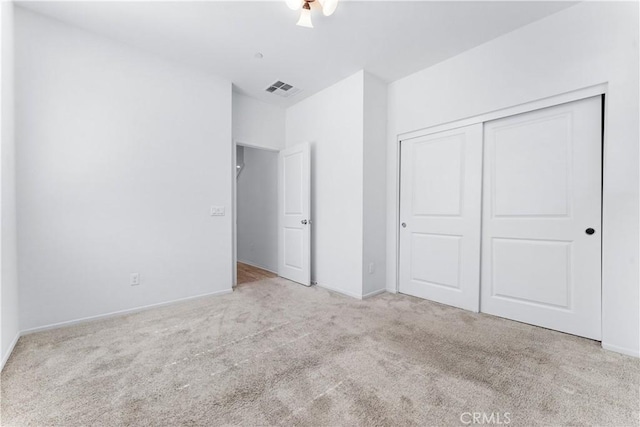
{"x": 277, "y": 353}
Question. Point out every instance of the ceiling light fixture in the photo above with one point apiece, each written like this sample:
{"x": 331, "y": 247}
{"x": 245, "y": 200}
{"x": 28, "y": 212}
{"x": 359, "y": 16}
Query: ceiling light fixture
{"x": 305, "y": 16}
{"x": 328, "y": 7}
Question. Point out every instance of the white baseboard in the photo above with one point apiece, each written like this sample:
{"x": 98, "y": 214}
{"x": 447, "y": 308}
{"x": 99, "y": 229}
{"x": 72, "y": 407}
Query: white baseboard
{"x": 374, "y": 293}
{"x": 6, "y": 356}
{"x": 623, "y": 350}
{"x": 120, "y": 312}
{"x": 253, "y": 264}
{"x": 340, "y": 291}
{"x": 392, "y": 290}
{"x": 351, "y": 294}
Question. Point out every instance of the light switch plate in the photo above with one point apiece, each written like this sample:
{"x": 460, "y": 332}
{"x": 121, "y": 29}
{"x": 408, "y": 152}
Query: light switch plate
{"x": 217, "y": 210}
{"x": 135, "y": 279}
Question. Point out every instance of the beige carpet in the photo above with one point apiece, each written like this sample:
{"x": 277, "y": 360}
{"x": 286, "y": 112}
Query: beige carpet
{"x": 277, "y": 353}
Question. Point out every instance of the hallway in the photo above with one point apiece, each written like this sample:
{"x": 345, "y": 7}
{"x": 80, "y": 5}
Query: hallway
{"x": 248, "y": 273}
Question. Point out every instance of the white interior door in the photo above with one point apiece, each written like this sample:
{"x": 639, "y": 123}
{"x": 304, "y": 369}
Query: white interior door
{"x": 294, "y": 207}
{"x": 440, "y": 196}
{"x": 541, "y": 246}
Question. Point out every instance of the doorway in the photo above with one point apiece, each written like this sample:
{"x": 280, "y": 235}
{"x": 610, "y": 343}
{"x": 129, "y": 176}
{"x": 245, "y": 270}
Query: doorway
{"x": 272, "y": 208}
{"x": 256, "y": 213}
{"x": 531, "y": 250}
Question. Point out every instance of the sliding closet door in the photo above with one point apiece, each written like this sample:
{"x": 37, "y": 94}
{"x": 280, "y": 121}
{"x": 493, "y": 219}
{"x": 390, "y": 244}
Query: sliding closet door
{"x": 541, "y": 247}
{"x": 440, "y": 210}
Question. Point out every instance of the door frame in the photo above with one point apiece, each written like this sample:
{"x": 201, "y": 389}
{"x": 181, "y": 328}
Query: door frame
{"x": 588, "y": 92}
{"x": 576, "y": 95}
{"x": 234, "y": 205}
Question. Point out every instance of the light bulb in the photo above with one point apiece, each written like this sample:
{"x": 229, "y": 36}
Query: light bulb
{"x": 305, "y": 17}
{"x": 294, "y": 4}
{"x": 328, "y": 6}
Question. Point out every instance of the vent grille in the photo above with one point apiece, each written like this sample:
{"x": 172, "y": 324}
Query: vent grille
{"x": 282, "y": 89}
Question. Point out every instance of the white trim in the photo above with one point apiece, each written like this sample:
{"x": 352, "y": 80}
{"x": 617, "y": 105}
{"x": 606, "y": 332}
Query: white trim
{"x": 253, "y": 264}
{"x": 374, "y": 293}
{"x": 623, "y": 350}
{"x": 340, "y": 291}
{"x": 351, "y": 294}
{"x": 397, "y": 225}
{"x": 234, "y": 214}
{"x": 392, "y": 290}
{"x": 538, "y": 104}
{"x": 6, "y": 356}
{"x": 120, "y": 313}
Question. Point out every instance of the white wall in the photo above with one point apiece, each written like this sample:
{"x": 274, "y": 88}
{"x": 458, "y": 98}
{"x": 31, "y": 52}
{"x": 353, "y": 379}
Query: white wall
{"x": 258, "y": 124}
{"x": 119, "y": 157}
{"x": 332, "y": 122}
{"x": 375, "y": 185}
{"x": 9, "y": 332}
{"x": 584, "y": 45}
{"x": 257, "y": 202}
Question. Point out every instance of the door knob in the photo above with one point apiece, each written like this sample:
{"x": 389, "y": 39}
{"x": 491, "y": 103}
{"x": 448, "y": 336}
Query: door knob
{"x": 304, "y": 222}
{"x": 404, "y": 225}
{"x": 589, "y": 231}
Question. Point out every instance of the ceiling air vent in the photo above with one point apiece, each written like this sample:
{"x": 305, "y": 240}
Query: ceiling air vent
{"x": 282, "y": 89}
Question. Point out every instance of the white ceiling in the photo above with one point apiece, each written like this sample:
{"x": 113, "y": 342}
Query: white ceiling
{"x": 390, "y": 39}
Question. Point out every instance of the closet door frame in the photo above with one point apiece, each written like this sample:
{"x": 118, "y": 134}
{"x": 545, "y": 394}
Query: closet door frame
{"x": 576, "y": 95}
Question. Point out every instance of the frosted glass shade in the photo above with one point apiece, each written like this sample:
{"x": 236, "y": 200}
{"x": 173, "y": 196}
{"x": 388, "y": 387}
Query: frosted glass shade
{"x": 305, "y": 18}
{"x": 328, "y": 6}
{"x": 294, "y": 4}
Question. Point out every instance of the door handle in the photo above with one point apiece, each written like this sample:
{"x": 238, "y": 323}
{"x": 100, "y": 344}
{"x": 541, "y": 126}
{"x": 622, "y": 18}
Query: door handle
{"x": 589, "y": 231}
{"x": 303, "y": 222}
{"x": 404, "y": 225}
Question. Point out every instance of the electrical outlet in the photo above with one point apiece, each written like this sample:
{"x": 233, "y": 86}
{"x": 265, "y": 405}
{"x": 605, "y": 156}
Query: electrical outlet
{"x": 372, "y": 268}
{"x": 135, "y": 279}
{"x": 217, "y": 210}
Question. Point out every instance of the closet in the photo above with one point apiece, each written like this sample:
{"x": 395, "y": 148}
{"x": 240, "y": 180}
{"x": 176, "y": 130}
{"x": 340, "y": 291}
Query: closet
{"x": 504, "y": 217}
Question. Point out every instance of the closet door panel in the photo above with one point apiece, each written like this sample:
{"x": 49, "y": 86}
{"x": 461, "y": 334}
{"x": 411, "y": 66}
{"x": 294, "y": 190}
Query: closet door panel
{"x": 541, "y": 250}
{"x": 440, "y": 209}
